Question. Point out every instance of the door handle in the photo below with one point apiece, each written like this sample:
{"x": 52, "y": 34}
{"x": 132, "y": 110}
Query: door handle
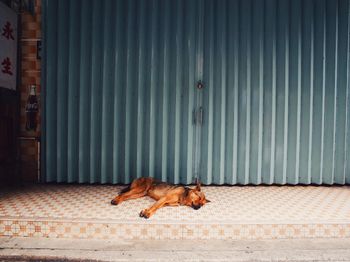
{"x": 197, "y": 116}
{"x": 200, "y": 116}
{"x": 194, "y": 117}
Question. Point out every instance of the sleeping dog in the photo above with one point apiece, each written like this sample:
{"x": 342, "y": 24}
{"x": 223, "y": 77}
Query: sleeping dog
{"x": 165, "y": 194}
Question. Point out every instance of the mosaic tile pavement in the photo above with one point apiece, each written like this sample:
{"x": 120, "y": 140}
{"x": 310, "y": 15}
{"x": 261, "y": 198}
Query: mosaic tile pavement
{"x": 261, "y": 212}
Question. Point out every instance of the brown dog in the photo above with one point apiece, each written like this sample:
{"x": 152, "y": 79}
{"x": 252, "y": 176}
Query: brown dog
{"x": 165, "y": 194}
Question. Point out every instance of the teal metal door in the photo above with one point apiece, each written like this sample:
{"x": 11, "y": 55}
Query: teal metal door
{"x": 276, "y": 92}
{"x": 230, "y": 91}
{"x": 119, "y": 99}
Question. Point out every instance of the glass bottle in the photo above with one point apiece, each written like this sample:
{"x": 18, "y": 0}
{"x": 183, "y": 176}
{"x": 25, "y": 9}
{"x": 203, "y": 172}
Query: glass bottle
{"x": 32, "y": 109}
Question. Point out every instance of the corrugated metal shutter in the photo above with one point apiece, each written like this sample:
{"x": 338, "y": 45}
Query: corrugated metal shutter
{"x": 276, "y": 102}
{"x": 120, "y": 97}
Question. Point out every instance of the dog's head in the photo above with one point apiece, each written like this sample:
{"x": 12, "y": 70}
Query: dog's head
{"x": 196, "y": 198}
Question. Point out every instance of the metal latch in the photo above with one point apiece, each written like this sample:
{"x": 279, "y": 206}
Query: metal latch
{"x": 198, "y": 116}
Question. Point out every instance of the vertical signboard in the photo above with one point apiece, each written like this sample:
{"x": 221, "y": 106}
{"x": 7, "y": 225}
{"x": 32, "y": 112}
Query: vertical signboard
{"x": 8, "y": 47}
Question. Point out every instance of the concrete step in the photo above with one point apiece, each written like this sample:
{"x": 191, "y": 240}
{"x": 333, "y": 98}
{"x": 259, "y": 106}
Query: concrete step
{"x": 237, "y": 213}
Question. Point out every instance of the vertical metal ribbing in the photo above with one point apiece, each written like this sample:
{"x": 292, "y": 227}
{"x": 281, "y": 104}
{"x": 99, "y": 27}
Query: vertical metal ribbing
{"x": 156, "y": 102}
{"x": 187, "y": 131}
{"x": 297, "y": 151}
{"x": 208, "y": 160}
{"x": 341, "y": 78}
{"x": 140, "y": 86}
{"x": 153, "y": 84}
{"x": 223, "y": 51}
{"x": 323, "y": 92}
{"x": 261, "y": 91}
{"x": 311, "y": 103}
{"x": 50, "y": 9}
{"x": 43, "y": 81}
{"x": 211, "y": 87}
{"x": 235, "y": 54}
{"x": 118, "y": 94}
{"x": 73, "y": 91}
{"x": 286, "y": 95}
{"x": 165, "y": 83}
{"x": 62, "y": 91}
{"x": 274, "y": 104}
{"x": 279, "y": 156}
{"x": 330, "y": 91}
{"x": 129, "y": 88}
{"x": 316, "y": 154}
{"x": 347, "y": 120}
{"x": 329, "y": 94}
{"x": 171, "y": 116}
{"x": 189, "y": 83}
{"x": 242, "y": 60}
{"x": 144, "y": 87}
{"x": 248, "y": 96}
{"x": 336, "y": 40}
{"x": 178, "y": 86}
{"x": 96, "y": 52}
{"x": 256, "y": 104}
{"x": 269, "y": 92}
{"x": 107, "y": 92}
{"x": 84, "y": 92}
{"x": 294, "y": 93}
{"x": 70, "y": 91}
{"x": 198, "y": 163}
{"x": 191, "y": 50}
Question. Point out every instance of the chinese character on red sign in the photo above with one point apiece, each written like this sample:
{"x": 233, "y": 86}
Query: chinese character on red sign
{"x": 7, "y": 31}
{"x": 6, "y": 66}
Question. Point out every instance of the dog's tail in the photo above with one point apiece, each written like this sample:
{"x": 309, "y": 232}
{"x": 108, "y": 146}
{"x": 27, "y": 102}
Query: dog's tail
{"x": 124, "y": 190}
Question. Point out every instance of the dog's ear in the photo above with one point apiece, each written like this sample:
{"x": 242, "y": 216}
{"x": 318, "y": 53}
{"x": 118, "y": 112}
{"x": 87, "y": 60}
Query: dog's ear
{"x": 207, "y": 201}
{"x": 198, "y": 185}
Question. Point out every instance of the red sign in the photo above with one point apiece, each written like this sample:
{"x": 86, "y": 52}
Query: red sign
{"x": 7, "y": 31}
{"x": 6, "y": 66}
{"x": 8, "y": 47}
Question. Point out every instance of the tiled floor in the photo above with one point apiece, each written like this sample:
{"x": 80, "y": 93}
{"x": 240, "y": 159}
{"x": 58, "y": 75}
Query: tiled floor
{"x": 84, "y": 211}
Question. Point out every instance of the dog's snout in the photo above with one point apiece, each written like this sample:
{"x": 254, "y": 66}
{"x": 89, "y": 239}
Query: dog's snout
{"x": 196, "y": 207}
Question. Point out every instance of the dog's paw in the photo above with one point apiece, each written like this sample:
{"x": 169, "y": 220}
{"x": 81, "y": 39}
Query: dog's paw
{"x": 114, "y": 202}
{"x": 144, "y": 214}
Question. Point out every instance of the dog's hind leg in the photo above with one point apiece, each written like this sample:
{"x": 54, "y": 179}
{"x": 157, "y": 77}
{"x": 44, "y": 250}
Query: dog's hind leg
{"x": 132, "y": 194}
{"x": 138, "y": 188}
{"x": 124, "y": 190}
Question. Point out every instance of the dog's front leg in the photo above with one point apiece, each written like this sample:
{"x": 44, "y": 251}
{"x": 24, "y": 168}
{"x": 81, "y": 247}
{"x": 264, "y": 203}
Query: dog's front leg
{"x": 164, "y": 201}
